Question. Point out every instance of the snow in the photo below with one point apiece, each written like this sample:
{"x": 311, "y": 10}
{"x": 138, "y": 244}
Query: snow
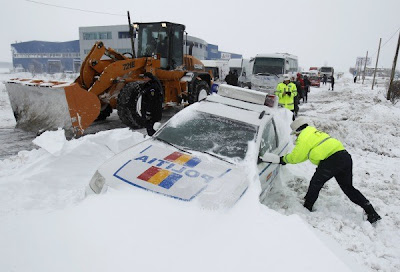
{"x": 51, "y": 141}
{"x": 47, "y": 224}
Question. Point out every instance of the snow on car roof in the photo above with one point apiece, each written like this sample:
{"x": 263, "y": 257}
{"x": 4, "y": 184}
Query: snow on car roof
{"x": 231, "y": 112}
{"x": 234, "y": 109}
{"x": 238, "y": 103}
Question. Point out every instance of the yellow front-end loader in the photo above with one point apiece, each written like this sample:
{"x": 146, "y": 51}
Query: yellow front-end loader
{"x": 139, "y": 87}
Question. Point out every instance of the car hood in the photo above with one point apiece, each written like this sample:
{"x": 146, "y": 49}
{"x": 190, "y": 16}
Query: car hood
{"x": 160, "y": 168}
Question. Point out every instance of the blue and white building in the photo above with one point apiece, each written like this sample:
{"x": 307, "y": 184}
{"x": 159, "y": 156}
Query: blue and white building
{"x": 46, "y": 57}
{"x": 117, "y": 37}
{"x": 56, "y": 57}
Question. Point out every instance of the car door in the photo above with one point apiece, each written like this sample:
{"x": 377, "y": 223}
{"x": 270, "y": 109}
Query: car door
{"x": 269, "y": 144}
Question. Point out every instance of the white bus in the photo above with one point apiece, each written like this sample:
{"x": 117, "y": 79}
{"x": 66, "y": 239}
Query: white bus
{"x": 265, "y": 71}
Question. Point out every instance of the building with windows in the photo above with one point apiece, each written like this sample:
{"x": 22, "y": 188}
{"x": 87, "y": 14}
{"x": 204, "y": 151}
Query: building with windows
{"x": 369, "y": 71}
{"x": 55, "y": 57}
{"x": 117, "y": 37}
{"x": 46, "y": 57}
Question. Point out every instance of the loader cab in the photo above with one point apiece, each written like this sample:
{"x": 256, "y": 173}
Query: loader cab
{"x": 162, "y": 38}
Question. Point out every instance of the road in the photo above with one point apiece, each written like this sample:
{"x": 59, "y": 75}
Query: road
{"x": 14, "y": 140}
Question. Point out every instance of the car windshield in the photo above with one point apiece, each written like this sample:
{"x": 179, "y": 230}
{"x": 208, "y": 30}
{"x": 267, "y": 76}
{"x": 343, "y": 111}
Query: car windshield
{"x": 268, "y": 65}
{"x": 210, "y": 134}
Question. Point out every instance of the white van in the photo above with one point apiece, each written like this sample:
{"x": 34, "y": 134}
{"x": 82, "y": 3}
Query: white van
{"x": 219, "y": 69}
{"x": 235, "y": 64}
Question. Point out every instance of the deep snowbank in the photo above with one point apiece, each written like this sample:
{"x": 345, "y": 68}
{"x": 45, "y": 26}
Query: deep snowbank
{"x": 367, "y": 124}
{"x": 46, "y": 224}
{"x": 44, "y": 213}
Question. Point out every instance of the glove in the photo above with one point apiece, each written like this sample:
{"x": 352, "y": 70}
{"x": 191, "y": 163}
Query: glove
{"x": 281, "y": 161}
{"x": 289, "y": 93}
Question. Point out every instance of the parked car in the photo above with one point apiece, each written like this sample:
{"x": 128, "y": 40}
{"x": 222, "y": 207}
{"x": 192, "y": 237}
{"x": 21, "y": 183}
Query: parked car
{"x": 202, "y": 153}
{"x": 315, "y": 81}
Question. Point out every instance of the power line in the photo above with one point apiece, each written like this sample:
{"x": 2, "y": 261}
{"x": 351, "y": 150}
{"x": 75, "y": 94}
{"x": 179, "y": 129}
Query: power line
{"x": 83, "y": 10}
{"x": 391, "y": 37}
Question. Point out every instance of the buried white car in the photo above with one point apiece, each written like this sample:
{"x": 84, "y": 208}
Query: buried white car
{"x": 200, "y": 153}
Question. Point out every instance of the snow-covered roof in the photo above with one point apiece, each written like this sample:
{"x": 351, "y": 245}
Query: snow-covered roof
{"x": 276, "y": 55}
{"x": 214, "y": 63}
{"x": 46, "y": 47}
{"x": 235, "y": 63}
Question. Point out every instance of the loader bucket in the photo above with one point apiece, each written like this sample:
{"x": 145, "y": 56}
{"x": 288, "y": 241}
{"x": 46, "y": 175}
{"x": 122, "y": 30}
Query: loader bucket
{"x": 40, "y": 105}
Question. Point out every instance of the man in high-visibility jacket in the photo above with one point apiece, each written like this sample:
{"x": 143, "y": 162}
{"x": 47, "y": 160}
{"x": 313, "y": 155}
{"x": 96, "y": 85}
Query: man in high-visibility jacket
{"x": 293, "y": 88}
{"x": 332, "y": 160}
{"x": 286, "y": 97}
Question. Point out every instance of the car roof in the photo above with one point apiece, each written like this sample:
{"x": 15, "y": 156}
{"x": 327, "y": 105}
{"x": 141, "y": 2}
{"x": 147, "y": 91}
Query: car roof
{"x": 228, "y": 110}
{"x": 239, "y": 104}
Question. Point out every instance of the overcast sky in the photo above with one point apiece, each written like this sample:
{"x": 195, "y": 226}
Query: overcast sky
{"x": 332, "y": 33}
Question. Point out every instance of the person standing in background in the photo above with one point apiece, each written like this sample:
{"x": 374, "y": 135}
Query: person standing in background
{"x": 286, "y": 97}
{"x": 332, "y": 82}
{"x": 300, "y": 86}
{"x": 293, "y": 88}
{"x": 324, "y": 79}
{"x": 307, "y": 84}
{"x": 235, "y": 78}
{"x": 229, "y": 79}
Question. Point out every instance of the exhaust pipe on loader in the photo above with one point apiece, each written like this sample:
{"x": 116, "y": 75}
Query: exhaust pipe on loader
{"x": 40, "y": 105}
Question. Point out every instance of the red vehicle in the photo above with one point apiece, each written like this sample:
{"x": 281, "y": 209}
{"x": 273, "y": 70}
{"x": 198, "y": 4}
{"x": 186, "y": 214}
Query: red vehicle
{"x": 315, "y": 81}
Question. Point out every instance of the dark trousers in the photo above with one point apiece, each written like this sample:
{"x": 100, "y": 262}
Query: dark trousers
{"x": 339, "y": 166}
{"x": 149, "y": 128}
{"x": 296, "y": 104}
{"x": 305, "y": 95}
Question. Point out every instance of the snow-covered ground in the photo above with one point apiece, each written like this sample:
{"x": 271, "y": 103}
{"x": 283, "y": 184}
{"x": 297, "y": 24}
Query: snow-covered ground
{"x": 46, "y": 223}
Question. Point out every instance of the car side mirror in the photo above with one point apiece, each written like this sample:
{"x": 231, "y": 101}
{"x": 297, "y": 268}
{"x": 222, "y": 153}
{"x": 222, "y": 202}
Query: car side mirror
{"x": 156, "y": 126}
{"x": 270, "y": 158}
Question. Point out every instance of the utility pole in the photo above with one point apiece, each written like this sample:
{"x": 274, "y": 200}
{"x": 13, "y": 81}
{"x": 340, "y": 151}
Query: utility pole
{"x": 389, "y": 93}
{"x": 365, "y": 66}
{"x": 376, "y": 64}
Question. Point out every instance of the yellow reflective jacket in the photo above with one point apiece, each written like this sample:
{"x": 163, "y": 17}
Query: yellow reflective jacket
{"x": 314, "y": 145}
{"x": 285, "y": 100}
{"x": 292, "y": 88}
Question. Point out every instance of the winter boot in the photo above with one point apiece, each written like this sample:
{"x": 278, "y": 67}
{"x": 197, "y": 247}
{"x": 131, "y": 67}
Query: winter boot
{"x": 373, "y": 216}
{"x": 308, "y": 205}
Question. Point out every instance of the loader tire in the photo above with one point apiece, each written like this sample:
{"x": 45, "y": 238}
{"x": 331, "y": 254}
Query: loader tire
{"x": 200, "y": 91}
{"x": 104, "y": 113}
{"x": 140, "y": 104}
